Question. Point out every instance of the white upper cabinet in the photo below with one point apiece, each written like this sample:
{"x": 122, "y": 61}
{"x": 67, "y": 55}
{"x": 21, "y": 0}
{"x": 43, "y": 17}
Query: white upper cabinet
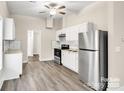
{"x": 57, "y": 35}
{"x": 85, "y": 27}
{"x": 9, "y": 29}
{"x": 62, "y": 31}
{"x": 72, "y": 33}
{"x": 68, "y": 34}
{"x": 82, "y": 28}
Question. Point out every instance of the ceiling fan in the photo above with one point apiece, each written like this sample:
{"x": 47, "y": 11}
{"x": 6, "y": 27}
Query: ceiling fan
{"x": 54, "y": 8}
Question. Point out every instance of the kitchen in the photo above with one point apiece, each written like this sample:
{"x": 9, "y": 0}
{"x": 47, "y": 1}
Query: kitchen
{"x": 81, "y": 48}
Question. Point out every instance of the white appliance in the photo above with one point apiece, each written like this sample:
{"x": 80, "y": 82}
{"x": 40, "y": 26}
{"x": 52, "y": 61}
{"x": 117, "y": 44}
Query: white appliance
{"x": 1, "y": 43}
{"x": 93, "y": 58}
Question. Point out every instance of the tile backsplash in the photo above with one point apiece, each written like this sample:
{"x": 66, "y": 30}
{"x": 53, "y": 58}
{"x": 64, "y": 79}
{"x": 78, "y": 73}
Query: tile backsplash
{"x": 12, "y": 45}
{"x": 72, "y": 44}
{"x": 6, "y": 45}
{"x": 15, "y": 44}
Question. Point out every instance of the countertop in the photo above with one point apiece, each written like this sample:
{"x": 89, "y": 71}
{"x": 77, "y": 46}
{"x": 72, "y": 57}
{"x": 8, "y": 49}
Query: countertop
{"x": 12, "y": 51}
{"x": 57, "y": 48}
{"x": 71, "y": 49}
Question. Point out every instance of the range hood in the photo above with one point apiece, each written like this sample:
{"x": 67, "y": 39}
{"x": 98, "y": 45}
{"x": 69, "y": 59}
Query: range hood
{"x": 62, "y": 35}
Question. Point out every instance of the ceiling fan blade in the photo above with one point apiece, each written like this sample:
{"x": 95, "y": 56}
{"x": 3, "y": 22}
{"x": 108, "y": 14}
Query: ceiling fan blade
{"x": 63, "y": 13}
{"x": 61, "y": 7}
{"x": 47, "y": 6}
{"x": 42, "y": 12}
{"x": 32, "y": 1}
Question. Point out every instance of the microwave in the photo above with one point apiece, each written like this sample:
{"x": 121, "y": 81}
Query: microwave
{"x": 64, "y": 46}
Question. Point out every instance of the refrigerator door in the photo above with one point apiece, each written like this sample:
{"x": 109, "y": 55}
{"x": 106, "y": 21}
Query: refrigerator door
{"x": 89, "y": 68}
{"x": 89, "y": 40}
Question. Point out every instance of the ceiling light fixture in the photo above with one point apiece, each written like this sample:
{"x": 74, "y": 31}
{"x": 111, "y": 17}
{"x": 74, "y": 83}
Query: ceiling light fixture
{"x": 53, "y": 11}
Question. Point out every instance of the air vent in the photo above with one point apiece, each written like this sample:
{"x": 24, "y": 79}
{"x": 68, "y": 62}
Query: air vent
{"x": 49, "y": 22}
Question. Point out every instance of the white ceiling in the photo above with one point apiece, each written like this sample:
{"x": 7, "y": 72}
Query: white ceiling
{"x": 33, "y": 8}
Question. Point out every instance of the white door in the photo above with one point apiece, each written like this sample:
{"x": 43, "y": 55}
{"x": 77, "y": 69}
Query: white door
{"x": 30, "y": 42}
{"x": 37, "y": 42}
{"x": 1, "y": 43}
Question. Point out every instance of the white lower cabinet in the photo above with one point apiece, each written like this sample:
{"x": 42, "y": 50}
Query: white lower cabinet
{"x": 65, "y": 59}
{"x": 70, "y": 60}
{"x": 12, "y": 65}
{"x": 76, "y": 61}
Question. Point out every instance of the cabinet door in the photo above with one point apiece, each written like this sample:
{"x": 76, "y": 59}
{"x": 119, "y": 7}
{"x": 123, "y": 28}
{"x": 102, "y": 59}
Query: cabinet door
{"x": 65, "y": 58}
{"x": 71, "y": 63}
{"x": 13, "y": 62}
{"x": 57, "y": 35}
{"x": 83, "y": 27}
{"x": 70, "y": 60}
{"x": 67, "y": 34}
{"x": 76, "y": 62}
{"x": 13, "y": 33}
{"x": 63, "y": 31}
{"x": 75, "y": 33}
{"x": 9, "y": 29}
{"x": 72, "y": 33}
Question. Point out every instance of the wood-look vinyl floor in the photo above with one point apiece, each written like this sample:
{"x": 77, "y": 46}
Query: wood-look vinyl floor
{"x": 45, "y": 76}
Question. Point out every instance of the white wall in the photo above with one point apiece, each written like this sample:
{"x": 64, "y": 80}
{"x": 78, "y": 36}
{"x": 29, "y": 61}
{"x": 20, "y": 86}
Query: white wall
{"x": 37, "y": 42}
{"x": 47, "y": 36}
{"x": 116, "y": 43}
{"x": 96, "y": 13}
{"x": 23, "y": 24}
{"x": 4, "y": 9}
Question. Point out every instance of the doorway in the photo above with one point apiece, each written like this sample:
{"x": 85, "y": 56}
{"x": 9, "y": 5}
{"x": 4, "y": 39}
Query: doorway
{"x": 33, "y": 47}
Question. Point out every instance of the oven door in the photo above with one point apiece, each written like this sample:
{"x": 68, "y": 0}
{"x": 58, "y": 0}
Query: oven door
{"x": 57, "y": 56}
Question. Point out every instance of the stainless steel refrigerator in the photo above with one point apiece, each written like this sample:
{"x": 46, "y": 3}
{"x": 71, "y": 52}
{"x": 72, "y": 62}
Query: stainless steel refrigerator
{"x": 93, "y": 58}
